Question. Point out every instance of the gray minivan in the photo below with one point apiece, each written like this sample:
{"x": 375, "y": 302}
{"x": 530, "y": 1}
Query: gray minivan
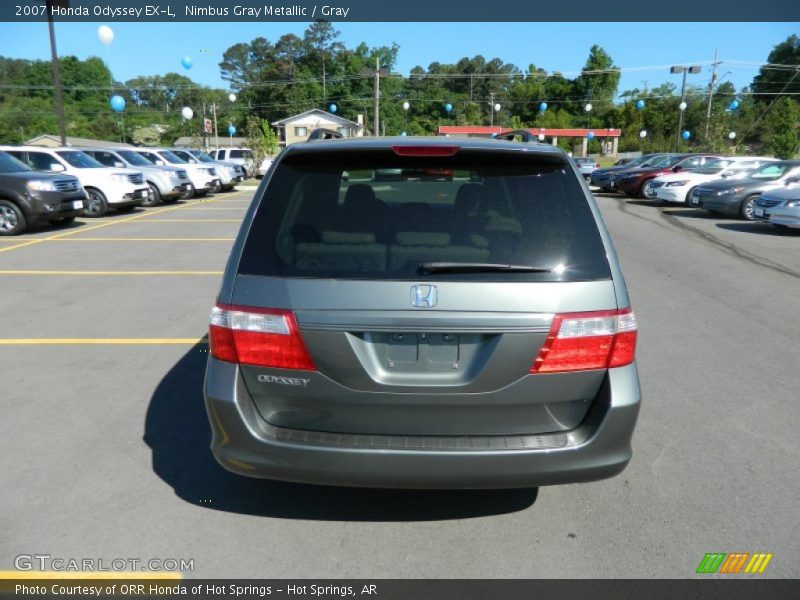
{"x": 467, "y": 331}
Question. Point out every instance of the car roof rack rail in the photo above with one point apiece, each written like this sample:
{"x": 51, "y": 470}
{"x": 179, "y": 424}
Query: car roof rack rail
{"x": 524, "y": 134}
{"x": 323, "y": 134}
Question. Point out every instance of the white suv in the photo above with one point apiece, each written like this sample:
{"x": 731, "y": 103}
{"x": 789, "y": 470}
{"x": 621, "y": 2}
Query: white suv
{"x": 241, "y": 156}
{"x": 204, "y": 178}
{"x": 229, "y": 173}
{"x": 106, "y": 188}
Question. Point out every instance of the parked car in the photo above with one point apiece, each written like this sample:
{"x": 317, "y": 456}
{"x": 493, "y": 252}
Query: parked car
{"x": 167, "y": 183}
{"x": 106, "y": 188}
{"x": 229, "y": 173}
{"x": 737, "y": 197}
{"x": 632, "y": 182}
{"x": 586, "y": 166}
{"x": 241, "y": 156}
{"x": 264, "y": 166}
{"x": 677, "y": 187}
{"x": 28, "y": 197}
{"x": 204, "y": 179}
{"x": 472, "y": 332}
{"x": 604, "y": 178}
{"x": 780, "y": 207}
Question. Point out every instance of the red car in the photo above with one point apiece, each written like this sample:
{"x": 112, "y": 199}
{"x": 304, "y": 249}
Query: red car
{"x": 631, "y": 182}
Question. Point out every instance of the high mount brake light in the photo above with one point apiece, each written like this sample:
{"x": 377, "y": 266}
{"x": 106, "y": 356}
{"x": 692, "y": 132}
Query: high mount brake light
{"x": 426, "y": 150}
{"x": 591, "y": 340}
{"x": 261, "y": 337}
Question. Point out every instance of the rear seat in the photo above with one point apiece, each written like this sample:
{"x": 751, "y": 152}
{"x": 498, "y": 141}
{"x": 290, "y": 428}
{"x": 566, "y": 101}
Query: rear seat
{"x": 420, "y": 246}
{"x": 339, "y": 250}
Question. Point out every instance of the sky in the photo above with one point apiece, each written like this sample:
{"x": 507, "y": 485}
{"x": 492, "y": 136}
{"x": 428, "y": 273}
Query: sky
{"x": 647, "y": 48}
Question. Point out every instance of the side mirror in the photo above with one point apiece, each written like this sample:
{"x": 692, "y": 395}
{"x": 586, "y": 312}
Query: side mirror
{"x": 726, "y": 174}
{"x": 193, "y": 161}
{"x": 57, "y": 167}
{"x": 160, "y": 162}
{"x": 119, "y": 164}
{"x": 792, "y": 180}
{"x": 677, "y": 168}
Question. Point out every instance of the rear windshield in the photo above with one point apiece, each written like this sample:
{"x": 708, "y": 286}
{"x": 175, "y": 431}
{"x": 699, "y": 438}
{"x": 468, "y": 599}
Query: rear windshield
{"x": 374, "y": 215}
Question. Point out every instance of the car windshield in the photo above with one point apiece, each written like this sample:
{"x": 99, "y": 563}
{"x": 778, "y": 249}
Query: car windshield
{"x": 80, "y": 160}
{"x": 476, "y": 216}
{"x": 654, "y": 161}
{"x": 171, "y": 157}
{"x": 135, "y": 158}
{"x": 201, "y": 156}
{"x": 772, "y": 171}
{"x": 715, "y": 166}
{"x": 9, "y": 164}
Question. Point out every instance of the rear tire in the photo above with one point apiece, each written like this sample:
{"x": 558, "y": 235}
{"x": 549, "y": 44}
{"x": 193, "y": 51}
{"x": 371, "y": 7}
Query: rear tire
{"x": 154, "y": 199}
{"x": 96, "y": 204}
{"x": 748, "y": 207}
{"x": 12, "y": 219}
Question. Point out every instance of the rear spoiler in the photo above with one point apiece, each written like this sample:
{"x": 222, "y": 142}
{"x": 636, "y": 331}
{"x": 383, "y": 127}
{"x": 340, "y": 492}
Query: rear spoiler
{"x": 523, "y": 134}
{"x": 323, "y": 134}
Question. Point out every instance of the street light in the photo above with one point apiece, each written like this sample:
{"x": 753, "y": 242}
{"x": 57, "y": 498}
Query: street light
{"x": 682, "y": 69}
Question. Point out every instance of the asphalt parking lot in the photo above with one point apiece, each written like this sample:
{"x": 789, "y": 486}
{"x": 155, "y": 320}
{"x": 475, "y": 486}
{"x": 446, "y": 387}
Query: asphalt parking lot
{"x": 104, "y": 440}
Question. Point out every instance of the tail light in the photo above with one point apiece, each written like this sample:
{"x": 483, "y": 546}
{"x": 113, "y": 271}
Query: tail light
{"x": 261, "y": 337}
{"x": 590, "y": 340}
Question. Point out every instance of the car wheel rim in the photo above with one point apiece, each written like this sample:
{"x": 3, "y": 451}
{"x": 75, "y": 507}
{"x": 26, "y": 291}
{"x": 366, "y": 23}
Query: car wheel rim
{"x": 749, "y": 209}
{"x": 8, "y": 219}
{"x": 94, "y": 205}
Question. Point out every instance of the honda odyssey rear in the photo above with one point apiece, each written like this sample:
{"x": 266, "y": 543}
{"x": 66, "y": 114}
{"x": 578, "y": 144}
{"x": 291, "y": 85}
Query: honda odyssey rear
{"x": 472, "y": 331}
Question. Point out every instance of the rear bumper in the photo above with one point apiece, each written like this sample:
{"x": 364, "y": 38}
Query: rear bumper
{"x": 243, "y": 442}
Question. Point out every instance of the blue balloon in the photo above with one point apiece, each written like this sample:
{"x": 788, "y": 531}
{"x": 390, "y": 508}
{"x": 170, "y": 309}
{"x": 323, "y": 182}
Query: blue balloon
{"x": 686, "y": 135}
{"x": 734, "y": 104}
{"x": 543, "y": 107}
{"x": 403, "y": 133}
{"x": 448, "y": 107}
{"x": 117, "y": 103}
{"x": 187, "y": 63}
{"x": 231, "y": 130}
{"x": 333, "y": 108}
{"x": 590, "y": 135}
{"x": 640, "y": 104}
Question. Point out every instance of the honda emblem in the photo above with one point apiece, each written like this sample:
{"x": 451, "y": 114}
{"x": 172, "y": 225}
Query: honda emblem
{"x": 424, "y": 296}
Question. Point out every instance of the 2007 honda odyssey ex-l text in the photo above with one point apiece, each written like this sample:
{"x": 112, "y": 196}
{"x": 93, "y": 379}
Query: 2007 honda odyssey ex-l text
{"x": 469, "y": 331}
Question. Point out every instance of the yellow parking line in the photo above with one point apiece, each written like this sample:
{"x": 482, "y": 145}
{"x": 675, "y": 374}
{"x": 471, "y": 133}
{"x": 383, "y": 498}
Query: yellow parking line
{"x": 111, "y": 239}
{"x": 109, "y": 223}
{"x": 191, "y": 221}
{"x": 107, "y": 273}
{"x": 99, "y": 341}
{"x": 219, "y": 207}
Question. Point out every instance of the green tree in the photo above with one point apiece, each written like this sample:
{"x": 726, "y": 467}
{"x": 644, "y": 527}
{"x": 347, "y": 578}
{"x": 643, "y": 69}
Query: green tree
{"x": 772, "y": 80}
{"x": 781, "y": 126}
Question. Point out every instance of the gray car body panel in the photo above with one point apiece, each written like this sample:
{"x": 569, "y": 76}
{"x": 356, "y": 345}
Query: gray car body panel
{"x": 335, "y": 425}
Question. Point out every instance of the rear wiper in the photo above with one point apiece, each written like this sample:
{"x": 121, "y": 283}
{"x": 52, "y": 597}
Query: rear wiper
{"x": 457, "y": 267}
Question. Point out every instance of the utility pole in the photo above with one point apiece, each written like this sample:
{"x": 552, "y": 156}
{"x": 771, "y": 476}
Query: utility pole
{"x": 711, "y": 93}
{"x": 377, "y": 96}
{"x": 491, "y": 109}
{"x": 62, "y": 126}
